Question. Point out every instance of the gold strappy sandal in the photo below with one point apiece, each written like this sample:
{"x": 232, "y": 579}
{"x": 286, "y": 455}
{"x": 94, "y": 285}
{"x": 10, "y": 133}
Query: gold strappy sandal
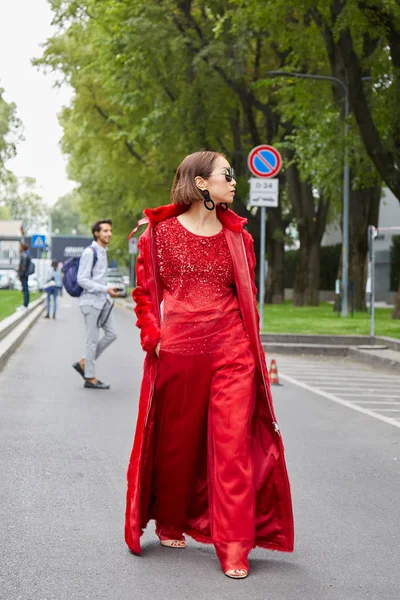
{"x": 179, "y": 544}
{"x": 237, "y": 573}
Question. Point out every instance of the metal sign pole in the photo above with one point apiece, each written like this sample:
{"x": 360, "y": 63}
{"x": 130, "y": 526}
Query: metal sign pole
{"x": 372, "y": 258}
{"x": 132, "y": 271}
{"x": 262, "y": 266}
{"x": 264, "y": 162}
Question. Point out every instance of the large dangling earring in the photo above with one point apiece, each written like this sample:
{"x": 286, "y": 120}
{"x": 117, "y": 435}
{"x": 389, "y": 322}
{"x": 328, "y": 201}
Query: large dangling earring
{"x": 223, "y": 205}
{"x": 208, "y": 202}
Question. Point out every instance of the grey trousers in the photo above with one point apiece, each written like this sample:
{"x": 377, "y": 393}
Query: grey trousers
{"x": 94, "y": 345}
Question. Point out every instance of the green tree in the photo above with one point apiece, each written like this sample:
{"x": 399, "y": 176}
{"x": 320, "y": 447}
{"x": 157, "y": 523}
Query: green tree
{"x": 137, "y": 112}
{"x": 66, "y": 215}
{"x": 9, "y": 134}
{"x": 19, "y": 199}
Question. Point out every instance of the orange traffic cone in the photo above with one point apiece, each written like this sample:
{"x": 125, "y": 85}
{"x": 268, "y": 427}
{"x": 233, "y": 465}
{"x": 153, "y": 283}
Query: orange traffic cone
{"x": 273, "y": 374}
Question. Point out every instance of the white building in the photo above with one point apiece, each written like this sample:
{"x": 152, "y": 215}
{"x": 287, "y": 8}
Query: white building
{"x": 389, "y": 216}
{"x": 11, "y": 232}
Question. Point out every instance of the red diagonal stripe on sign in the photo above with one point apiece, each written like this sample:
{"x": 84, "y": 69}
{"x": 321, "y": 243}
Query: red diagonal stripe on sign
{"x": 264, "y": 160}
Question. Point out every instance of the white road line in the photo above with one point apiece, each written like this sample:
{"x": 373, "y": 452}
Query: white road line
{"x": 349, "y": 383}
{"x": 344, "y": 377}
{"x": 356, "y": 391}
{"x": 344, "y": 380}
{"x": 316, "y": 370}
{"x": 347, "y": 403}
{"x": 371, "y": 394}
{"x": 374, "y": 402}
{"x": 389, "y": 409}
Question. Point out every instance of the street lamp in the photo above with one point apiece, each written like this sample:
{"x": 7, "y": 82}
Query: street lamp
{"x": 346, "y": 176}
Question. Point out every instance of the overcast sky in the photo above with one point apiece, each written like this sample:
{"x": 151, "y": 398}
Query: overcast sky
{"x": 24, "y": 25}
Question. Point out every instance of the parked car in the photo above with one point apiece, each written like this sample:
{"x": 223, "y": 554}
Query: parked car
{"x": 5, "y": 280}
{"x": 13, "y": 275}
{"x": 33, "y": 284}
{"x": 115, "y": 280}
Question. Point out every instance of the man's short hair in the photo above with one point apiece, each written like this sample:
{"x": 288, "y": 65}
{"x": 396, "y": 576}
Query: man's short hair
{"x": 24, "y": 246}
{"x": 98, "y": 224}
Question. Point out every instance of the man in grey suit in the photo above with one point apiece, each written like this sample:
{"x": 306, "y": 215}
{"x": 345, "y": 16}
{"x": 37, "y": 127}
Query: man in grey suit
{"x": 94, "y": 303}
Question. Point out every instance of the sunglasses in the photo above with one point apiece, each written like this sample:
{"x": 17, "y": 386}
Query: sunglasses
{"x": 229, "y": 173}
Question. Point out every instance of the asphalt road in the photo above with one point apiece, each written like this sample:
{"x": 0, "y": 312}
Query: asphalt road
{"x": 63, "y": 458}
{"x": 372, "y": 391}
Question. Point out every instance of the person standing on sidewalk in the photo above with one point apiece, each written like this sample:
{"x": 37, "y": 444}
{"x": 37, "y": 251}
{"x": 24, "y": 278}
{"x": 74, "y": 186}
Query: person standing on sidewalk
{"x": 95, "y": 304}
{"x": 208, "y": 458}
{"x": 24, "y": 272}
{"x": 54, "y": 284}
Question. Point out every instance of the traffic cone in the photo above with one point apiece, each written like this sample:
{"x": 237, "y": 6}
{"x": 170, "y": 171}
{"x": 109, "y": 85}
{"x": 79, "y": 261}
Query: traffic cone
{"x": 273, "y": 374}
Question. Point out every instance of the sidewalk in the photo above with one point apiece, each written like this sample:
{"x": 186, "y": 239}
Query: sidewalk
{"x": 383, "y": 352}
{"x": 14, "y": 328}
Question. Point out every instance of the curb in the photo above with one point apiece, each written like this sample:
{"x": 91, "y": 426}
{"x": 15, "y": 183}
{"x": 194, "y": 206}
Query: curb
{"x": 124, "y": 304}
{"x": 327, "y": 345}
{"x": 14, "y": 329}
{"x": 325, "y": 339}
{"x": 310, "y": 349}
{"x": 388, "y": 358}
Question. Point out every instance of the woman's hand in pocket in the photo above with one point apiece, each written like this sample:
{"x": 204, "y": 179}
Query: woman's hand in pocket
{"x": 158, "y": 349}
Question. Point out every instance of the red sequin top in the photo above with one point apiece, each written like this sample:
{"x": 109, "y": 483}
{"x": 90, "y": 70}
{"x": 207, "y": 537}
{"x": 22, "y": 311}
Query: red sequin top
{"x": 200, "y": 309}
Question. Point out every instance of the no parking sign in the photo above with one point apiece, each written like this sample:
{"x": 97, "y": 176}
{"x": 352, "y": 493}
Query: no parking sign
{"x": 264, "y": 161}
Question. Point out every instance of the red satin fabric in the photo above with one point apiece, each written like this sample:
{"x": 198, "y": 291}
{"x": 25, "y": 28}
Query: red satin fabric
{"x": 203, "y": 481}
{"x": 273, "y": 509}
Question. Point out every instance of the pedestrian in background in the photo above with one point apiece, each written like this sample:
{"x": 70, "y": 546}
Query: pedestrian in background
{"x": 95, "y": 304}
{"x": 25, "y": 269}
{"x": 54, "y": 283}
{"x": 60, "y": 267}
{"x": 208, "y": 457}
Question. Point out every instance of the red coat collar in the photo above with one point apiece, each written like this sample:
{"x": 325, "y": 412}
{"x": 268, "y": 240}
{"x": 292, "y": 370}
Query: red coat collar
{"x": 228, "y": 218}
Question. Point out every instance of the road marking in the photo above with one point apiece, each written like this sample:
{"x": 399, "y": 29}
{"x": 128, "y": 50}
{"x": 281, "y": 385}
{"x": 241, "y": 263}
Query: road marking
{"x": 370, "y": 389}
{"x": 373, "y": 401}
{"x": 354, "y": 380}
{"x": 368, "y": 395}
{"x": 343, "y": 376}
{"x": 347, "y": 403}
{"x": 316, "y": 369}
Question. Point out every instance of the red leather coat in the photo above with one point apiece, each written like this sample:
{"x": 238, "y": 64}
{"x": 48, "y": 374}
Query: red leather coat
{"x": 274, "y": 519}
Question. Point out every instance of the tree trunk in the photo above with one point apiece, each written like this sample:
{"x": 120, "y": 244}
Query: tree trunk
{"x": 275, "y": 242}
{"x": 396, "y": 310}
{"x": 311, "y": 292}
{"x": 364, "y": 211}
{"x": 311, "y": 216}
{"x": 299, "y": 278}
{"x": 307, "y": 278}
{"x": 347, "y": 66}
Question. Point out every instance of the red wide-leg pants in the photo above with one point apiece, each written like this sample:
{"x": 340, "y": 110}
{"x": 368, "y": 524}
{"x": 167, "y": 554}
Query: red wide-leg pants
{"x": 204, "y": 405}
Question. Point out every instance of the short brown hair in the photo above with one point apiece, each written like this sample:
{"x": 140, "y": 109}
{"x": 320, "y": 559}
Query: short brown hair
{"x": 98, "y": 224}
{"x": 199, "y": 164}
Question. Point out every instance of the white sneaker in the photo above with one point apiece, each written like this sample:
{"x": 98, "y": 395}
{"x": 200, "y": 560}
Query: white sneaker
{"x": 21, "y": 309}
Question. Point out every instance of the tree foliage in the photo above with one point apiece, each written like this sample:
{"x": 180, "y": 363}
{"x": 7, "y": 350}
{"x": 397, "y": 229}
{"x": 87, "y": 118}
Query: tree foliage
{"x": 20, "y": 199}
{"x": 156, "y": 80}
{"x": 66, "y": 215}
{"x": 9, "y": 134}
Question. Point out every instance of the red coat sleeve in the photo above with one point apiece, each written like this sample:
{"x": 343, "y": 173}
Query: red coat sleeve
{"x": 251, "y": 260}
{"x": 147, "y": 320}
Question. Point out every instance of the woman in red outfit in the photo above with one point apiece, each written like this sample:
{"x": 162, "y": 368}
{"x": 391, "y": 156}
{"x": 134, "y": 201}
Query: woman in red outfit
{"x": 208, "y": 458}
